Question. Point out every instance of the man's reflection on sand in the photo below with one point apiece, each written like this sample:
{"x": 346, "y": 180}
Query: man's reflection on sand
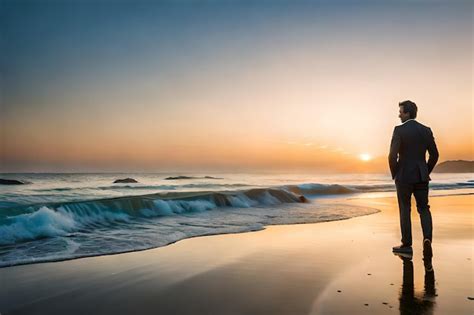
{"x": 416, "y": 303}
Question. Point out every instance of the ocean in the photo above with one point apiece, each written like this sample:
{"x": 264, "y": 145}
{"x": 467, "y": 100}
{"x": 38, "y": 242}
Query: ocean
{"x": 65, "y": 216}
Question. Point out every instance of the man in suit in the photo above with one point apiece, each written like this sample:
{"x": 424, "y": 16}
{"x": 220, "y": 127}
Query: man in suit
{"x": 409, "y": 169}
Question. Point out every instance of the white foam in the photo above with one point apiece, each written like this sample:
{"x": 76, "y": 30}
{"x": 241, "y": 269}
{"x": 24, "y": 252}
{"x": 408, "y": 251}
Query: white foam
{"x": 42, "y": 223}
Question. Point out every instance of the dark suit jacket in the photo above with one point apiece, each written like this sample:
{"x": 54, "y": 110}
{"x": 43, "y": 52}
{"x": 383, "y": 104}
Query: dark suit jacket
{"x": 407, "y": 158}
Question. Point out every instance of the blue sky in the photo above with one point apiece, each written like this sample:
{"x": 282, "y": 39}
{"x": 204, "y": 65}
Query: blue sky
{"x": 95, "y": 64}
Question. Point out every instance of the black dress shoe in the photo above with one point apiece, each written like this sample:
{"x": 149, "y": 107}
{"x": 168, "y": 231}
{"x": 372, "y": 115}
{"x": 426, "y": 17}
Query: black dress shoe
{"x": 402, "y": 249}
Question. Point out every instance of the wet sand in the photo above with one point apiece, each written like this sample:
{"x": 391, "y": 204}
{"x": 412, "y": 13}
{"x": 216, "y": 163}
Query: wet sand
{"x": 340, "y": 267}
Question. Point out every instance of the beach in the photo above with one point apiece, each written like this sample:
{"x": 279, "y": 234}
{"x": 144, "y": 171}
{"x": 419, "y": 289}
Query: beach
{"x": 337, "y": 267}
{"x": 235, "y": 157}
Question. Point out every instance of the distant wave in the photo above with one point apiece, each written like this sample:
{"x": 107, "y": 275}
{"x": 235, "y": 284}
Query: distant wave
{"x": 320, "y": 189}
{"x": 309, "y": 189}
{"x": 304, "y": 188}
{"x": 145, "y": 187}
{"x": 41, "y": 196}
{"x": 191, "y": 177}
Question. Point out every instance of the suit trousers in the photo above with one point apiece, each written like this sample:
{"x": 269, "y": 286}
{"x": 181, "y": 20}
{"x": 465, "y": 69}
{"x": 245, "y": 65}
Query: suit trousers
{"x": 404, "y": 193}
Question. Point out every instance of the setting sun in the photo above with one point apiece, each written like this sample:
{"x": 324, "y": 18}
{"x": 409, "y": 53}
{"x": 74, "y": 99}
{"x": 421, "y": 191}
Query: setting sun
{"x": 365, "y": 157}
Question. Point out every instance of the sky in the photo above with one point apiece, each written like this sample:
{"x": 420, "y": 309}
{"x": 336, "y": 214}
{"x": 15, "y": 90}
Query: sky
{"x": 89, "y": 86}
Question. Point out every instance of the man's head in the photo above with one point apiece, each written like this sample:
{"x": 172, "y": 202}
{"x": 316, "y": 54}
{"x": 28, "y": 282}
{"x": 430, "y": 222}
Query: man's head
{"x": 408, "y": 110}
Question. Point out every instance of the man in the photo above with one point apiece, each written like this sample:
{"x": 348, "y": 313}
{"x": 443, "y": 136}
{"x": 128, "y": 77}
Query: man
{"x": 410, "y": 141}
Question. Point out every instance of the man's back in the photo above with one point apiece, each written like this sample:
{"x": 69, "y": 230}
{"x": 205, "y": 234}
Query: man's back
{"x": 410, "y": 142}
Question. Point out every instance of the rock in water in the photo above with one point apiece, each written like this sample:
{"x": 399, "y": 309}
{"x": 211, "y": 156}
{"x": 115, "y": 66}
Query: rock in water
{"x": 303, "y": 199}
{"x": 12, "y": 182}
{"x": 179, "y": 177}
{"x": 125, "y": 180}
{"x": 191, "y": 177}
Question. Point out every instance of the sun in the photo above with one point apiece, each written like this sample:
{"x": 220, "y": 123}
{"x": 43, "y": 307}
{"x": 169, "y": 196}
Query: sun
{"x": 365, "y": 157}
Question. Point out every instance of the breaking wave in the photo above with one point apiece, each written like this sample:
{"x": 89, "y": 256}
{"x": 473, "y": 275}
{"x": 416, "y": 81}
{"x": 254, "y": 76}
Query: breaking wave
{"x": 63, "y": 218}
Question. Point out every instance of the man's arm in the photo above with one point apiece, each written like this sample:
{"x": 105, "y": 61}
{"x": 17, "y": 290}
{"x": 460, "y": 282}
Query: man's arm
{"x": 433, "y": 151}
{"x": 394, "y": 150}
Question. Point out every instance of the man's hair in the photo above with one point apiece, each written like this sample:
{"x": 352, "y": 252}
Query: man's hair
{"x": 409, "y": 107}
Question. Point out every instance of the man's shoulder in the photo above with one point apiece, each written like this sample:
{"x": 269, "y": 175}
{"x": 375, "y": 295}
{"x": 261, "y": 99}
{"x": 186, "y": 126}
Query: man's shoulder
{"x": 424, "y": 127}
{"x": 410, "y": 124}
{"x": 420, "y": 124}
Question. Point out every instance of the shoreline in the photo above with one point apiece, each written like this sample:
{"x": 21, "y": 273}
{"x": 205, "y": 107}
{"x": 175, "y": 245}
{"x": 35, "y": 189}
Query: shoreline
{"x": 258, "y": 217}
{"x": 295, "y": 264}
{"x": 173, "y": 242}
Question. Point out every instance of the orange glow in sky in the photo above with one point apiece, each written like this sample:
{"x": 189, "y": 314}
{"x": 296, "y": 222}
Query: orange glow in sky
{"x": 313, "y": 88}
